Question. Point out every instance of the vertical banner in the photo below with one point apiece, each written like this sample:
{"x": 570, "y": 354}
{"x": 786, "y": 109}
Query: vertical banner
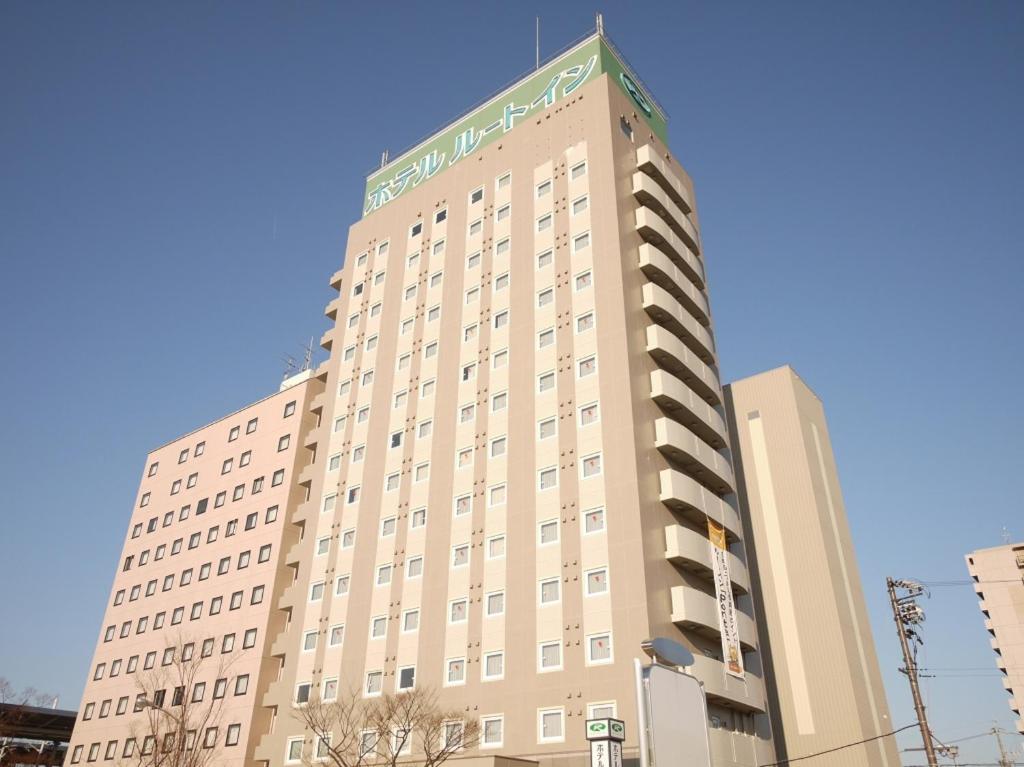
{"x": 731, "y": 654}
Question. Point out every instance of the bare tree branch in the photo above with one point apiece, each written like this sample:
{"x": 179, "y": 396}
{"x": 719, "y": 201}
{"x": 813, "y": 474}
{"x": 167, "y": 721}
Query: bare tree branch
{"x": 353, "y": 731}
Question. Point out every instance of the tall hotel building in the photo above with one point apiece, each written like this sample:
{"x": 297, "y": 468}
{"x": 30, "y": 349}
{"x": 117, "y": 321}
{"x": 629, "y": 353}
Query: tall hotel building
{"x": 998, "y": 575}
{"x": 513, "y": 467}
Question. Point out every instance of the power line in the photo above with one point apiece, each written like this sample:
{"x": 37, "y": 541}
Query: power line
{"x": 839, "y": 748}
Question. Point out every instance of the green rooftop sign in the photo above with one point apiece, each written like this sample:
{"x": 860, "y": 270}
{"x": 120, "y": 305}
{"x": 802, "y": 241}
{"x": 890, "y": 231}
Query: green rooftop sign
{"x": 555, "y": 81}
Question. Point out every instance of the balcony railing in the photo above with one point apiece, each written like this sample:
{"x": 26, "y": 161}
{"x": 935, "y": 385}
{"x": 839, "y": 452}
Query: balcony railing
{"x": 666, "y": 311}
{"x": 696, "y": 611}
{"x": 694, "y": 455}
{"x": 683, "y": 404}
{"x": 672, "y": 355}
{"x": 662, "y": 271}
{"x": 654, "y": 230}
{"x": 656, "y": 166}
{"x": 745, "y": 694}
{"x": 649, "y": 193}
{"x": 687, "y": 497}
{"x": 691, "y": 551}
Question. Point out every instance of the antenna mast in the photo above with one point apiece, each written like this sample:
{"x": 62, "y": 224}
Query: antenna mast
{"x": 537, "y": 48}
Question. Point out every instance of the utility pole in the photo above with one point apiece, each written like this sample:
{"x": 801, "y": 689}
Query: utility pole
{"x": 1004, "y": 760}
{"x": 908, "y": 614}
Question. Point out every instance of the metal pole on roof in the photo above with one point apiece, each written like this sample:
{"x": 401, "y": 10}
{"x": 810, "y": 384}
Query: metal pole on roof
{"x": 537, "y": 48}
{"x": 600, "y": 24}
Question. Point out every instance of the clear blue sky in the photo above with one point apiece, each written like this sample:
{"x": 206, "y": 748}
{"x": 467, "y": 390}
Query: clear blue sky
{"x": 176, "y": 184}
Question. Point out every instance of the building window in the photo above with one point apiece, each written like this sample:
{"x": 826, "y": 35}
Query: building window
{"x": 597, "y": 581}
{"x": 414, "y": 567}
{"x": 456, "y": 673}
{"x": 294, "y": 751}
{"x": 550, "y": 591}
{"x": 591, "y": 465}
{"x": 584, "y": 280}
{"x": 599, "y": 648}
{"x": 579, "y": 205}
{"x": 502, "y": 247}
{"x": 494, "y": 665}
{"x": 547, "y": 428}
{"x": 544, "y": 222}
{"x": 491, "y": 731}
{"x": 316, "y": 591}
{"x": 441, "y": 215}
{"x": 550, "y": 725}
{"x": 374, "y": 682}
{"x": 496, "y": 603}
{"x": 580, "y": 241}
{"x": 547, "y": 478}
{"x": 545, "y": 297}
{"x": 588, "y": 414}
{"x": 410, "y": 620}
{"x": 458, "y": 611}
{"x": 501, "y": 319}
{"x": 337, "y": 635}
{"x": 544, "y": 188}
{"x": 463, "y": 505}
{"x": 593, "y": 521}
{"x": 547, "y": 532}
{"x": 384, "y": 575}
{"x": 416, "y": 229}
{"x": 545, "y": 382}
{"x": 503, "y": 212}
{"x": 476, "y": 196}
{"x": 545, "y": 338}
{"x": 419, "y": 518}
{"x": 496, "y": 547}
{"x": 309, "y": 641}
{"x": 406, "y": 677}
{"x": 460, "y": 555}
{"x": 474, "y": 258}
{"x": 550, "y": 656}
{"x": 341, "y": 585}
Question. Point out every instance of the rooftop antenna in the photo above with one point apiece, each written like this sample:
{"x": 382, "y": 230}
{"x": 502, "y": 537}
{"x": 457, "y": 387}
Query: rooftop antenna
{"x": 384, "y": 158}
{"x": 1006, "y": 536}
{"x": 307, "y": 360}
{"x": 600, "y": 24}
{"x": 537, "y": 49}
{"x": 290, "y": 366}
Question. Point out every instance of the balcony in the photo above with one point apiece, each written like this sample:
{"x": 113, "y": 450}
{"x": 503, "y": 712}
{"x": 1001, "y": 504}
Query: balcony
{"x": 672, "y": 355}
{"x": 662, "y": 271}
{"x": 317, "y": 403}
{"x": 670, "y": 314}
{"x": 743, "y": 694}
{"x": 691, "y": 551}
{"x": 657, "y": 167}
{"x": 331, "y": 312}
{"x": 306, "y": 475}
{"x": 697, "y": 457}
{"x": 687, "y": 497}
{"x": 647, "y": 192}
{"x": 336, "y": 279}
{"x": 681, "y": 403}
{"x": 654, "y": 230}
{"x": 698, "y": 612}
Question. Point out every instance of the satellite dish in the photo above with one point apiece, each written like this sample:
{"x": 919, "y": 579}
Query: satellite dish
{"x": 667, "y": 652}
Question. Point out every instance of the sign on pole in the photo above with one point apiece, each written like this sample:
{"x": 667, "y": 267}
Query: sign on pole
{"x": 605, "y": 736}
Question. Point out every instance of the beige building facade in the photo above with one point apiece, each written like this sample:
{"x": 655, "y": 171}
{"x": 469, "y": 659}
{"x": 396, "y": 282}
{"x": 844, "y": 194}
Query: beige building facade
{"x": 824, "y": 683}
{"x": 514, "y": 461}
{"x": 198, "y": 574}
{"x": 998, "y": 575}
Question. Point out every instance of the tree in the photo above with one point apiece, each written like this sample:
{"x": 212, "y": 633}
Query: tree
{"x": 12, "y": 712}
{"x": 181, "y": 706}
{"x": 354, "y": 731}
